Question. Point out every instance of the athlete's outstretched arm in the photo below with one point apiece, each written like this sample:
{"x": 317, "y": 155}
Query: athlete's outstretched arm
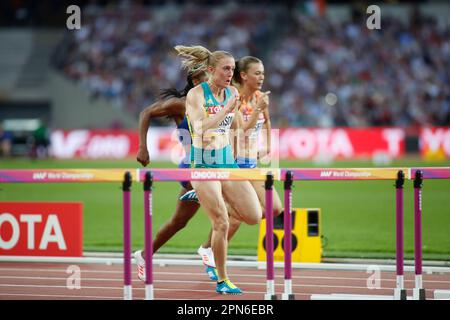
{"x": 162, "y": 108}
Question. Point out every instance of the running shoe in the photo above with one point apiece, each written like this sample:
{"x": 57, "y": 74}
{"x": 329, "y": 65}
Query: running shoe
{"x": 140, "y": 264}
{"x": 191, "y": 195}
{"x": 207, "y": 256}
{"x": 212, "y": 273}
{"x": 227, "y": 287}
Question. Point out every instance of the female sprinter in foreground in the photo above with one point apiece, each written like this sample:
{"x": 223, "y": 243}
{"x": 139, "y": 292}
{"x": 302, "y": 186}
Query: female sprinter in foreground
{"x": 210, "y": 108}
{"x": 173, "y": 105}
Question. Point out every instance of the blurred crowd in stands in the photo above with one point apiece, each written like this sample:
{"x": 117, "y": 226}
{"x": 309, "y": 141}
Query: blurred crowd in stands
{"x": 321, "y": 73}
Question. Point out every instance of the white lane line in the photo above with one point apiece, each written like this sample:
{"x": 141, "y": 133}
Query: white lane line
{"x": 363, "y": 278}
{"x": 64, "y": 279}
{"x": 137, "y": 282}
{"x": 57, "y": 270}
{"x": 193, "y": 282}
{"x": 232, "y": 263}
{"x": 97, "y": 297}
{"x": 116, "y": 288}
{"x": 54, "y": 296}
{"x": 7, "y": 285}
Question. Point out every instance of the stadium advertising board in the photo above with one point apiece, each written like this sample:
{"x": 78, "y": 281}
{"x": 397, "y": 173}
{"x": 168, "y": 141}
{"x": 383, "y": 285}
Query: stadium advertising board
{"x": 340, "y": 143}
{"x": 41, "y": 229}
{"x": 291, "y": 143}
{"x": 435, "y": 143}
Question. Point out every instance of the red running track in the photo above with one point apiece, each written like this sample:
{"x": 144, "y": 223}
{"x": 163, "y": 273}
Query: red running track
{"x": 25, "y": 281}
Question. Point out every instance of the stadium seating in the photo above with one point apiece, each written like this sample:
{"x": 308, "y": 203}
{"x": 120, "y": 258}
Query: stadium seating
{"x": 321, "y": 72}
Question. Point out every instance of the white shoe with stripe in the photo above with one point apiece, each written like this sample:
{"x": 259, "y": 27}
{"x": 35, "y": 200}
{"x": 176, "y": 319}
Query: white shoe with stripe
{"x": 140, "y": 262}
{"x": 207, "y": 256}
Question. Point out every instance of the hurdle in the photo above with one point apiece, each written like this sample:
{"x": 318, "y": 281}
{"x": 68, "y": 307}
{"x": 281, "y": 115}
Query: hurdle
{"x": 325, "y": 174}
{"x": 288, "y": 295}
{"x": 86, "y": 176}
{"x": 270, "y": 270}
{"x": 126, "y": 188}
{"x": 148, "y": 183}
{"x": 419, "y": 175}
{"x": 399, "y": 291}
{"x": 268, "y": 175}
{"x": 62, "y": 175}
{"x": 146, "y": 175}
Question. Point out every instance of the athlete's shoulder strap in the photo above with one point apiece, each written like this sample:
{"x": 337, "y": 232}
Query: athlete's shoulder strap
{"x": 206, "y": 89}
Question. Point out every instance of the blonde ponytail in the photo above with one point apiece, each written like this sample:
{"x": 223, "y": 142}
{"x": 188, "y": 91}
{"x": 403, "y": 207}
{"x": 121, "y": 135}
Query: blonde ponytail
{"x": 196, "y": 58}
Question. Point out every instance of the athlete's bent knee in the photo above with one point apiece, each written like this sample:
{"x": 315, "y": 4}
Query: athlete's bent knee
{"x": 276, "y": 212}
{"x": 254, "y": 219}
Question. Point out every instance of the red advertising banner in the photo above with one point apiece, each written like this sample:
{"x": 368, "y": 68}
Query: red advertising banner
{"x": 41, "y": 229}
{"x": 94, "y": 144}
{"x": 435, "y": 142}
{"x": 114, "y": 144}
{"x": 290, "y": 143}
{"x": 340, "y": 143}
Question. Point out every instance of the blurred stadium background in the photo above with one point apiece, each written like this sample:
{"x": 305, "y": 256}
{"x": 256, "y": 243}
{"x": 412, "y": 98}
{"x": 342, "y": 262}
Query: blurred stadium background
{"x": 342, "y": 95}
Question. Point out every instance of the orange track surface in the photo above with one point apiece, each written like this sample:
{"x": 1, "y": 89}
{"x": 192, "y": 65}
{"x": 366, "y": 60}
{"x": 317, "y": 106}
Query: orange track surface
{"x": 100, "y": 281}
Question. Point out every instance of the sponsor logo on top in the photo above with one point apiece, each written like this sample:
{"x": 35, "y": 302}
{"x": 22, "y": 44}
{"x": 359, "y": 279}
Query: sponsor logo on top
{"x": 214, "y": 109}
